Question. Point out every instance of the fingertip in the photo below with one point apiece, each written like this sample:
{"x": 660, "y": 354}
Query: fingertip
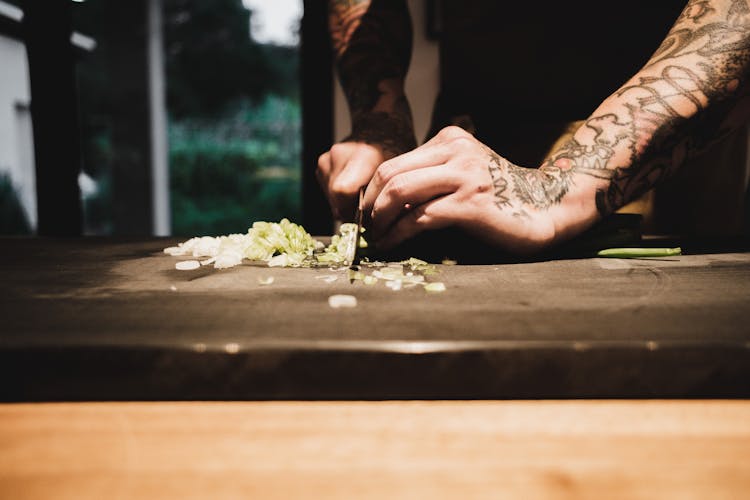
{"x": 324, "y": 161}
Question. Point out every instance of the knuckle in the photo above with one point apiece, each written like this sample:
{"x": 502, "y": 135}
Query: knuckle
{"x": 341, "y": 187}
{"x": 339, "y": 153}
{"x": 473, "y": 168}
{"x": 396, "y": 188}
{"x": 383, "y": 174}
{"x": 452, "y": 131}
{"x": 337, "y": 149}
{"x": 461, "y": 142}
{"x": 483, "y": 187}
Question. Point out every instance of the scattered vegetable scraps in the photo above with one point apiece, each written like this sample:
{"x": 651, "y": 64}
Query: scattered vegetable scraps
{"x": 285, "y": 244}
{"x": 435, "y": 287}
{"x": 339, "y": 301}
{"x": 187, "y": 265}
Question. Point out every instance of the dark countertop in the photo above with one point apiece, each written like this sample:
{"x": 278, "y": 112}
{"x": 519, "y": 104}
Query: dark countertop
{"x": 107, "y": 319}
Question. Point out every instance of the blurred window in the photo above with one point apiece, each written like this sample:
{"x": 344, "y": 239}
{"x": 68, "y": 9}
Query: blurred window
{"x": 232, "y": 107}
{"x": 234, "y": 113}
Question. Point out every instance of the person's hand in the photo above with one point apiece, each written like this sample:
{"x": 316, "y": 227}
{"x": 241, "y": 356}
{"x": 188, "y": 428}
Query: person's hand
{"x": 343, "y": 170}
{"x": 455, "y": 180}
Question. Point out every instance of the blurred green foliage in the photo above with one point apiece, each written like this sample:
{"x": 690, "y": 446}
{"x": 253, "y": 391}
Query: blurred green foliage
{"x": 230, "y": 171}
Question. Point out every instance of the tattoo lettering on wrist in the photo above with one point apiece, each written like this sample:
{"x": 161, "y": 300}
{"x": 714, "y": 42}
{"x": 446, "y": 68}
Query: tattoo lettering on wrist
{"x": 499, "y": 182}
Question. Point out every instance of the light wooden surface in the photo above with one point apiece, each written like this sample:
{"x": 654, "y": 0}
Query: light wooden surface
{"x": 529, "y": 450}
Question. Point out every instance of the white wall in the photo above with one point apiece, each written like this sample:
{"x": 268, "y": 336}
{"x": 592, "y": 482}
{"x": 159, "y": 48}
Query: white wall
{"x": 421, "y": 82}
{"x": 16, "y": 137}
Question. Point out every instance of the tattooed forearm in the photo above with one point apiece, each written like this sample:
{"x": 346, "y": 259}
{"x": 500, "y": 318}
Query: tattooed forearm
{"x": 392, "y": 131}
{"x": 372, "y": 42}
{"x": 344, "y": 17}
{"x": 694, "y": 11}
{"x": 691, "y": 93}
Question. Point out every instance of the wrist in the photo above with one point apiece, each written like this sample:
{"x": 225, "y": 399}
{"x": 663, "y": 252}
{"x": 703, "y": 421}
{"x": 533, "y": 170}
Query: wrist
{"x": 575, "y": 212}
{"x": 392, "y": 132}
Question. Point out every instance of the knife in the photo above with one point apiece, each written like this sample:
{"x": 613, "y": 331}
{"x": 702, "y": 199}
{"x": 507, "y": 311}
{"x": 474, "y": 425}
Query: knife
{"x": 352, "y": 254}
{"x": 358, "y": 215}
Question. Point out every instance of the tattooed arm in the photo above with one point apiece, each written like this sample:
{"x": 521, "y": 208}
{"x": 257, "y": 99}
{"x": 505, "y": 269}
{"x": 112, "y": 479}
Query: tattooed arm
{"x": 372, "y": 44}
{"x": 691, "y": 93}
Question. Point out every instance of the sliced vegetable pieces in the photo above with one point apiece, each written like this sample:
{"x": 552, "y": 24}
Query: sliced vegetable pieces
{"x": 341, "y": 300}
{"x": 435, "y": 287}
{"x": 187, "y": 265}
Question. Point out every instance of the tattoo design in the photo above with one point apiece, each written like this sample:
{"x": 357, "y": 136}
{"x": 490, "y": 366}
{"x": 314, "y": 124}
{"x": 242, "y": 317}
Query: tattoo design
{"x": 343, "y": 19}
{"x": 499, "y": 183}
{"x": 530, "y": 186}
{"x": 665, "y": 115}
{"x": 393, "y": 132}
{"x": 738, "y": 12}
{"x": 538, "y": 188}
{"x": 695, "y": 10}
{"x": 372, "y": 42}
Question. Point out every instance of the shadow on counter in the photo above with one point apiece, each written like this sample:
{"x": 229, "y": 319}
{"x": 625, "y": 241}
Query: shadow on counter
{"x": 617, "y": 230}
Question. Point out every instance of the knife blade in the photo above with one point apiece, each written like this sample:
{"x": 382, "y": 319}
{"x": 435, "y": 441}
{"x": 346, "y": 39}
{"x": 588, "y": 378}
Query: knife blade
{"x": 359, "y": 214}
{"x": 353, "y": 238}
